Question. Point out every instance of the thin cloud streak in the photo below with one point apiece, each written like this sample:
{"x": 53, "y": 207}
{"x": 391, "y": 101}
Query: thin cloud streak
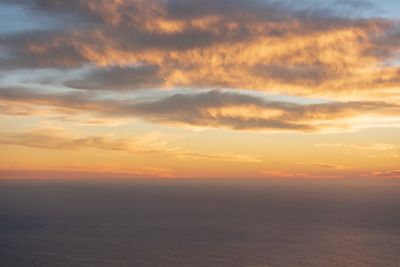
{"x": 387, "y": 174}
{"x": 59, "y": 139}
{"x": 77, "y": 173}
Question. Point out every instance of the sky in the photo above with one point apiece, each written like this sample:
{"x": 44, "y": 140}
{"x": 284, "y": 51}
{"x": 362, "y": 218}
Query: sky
{"x": 199, "y": 89}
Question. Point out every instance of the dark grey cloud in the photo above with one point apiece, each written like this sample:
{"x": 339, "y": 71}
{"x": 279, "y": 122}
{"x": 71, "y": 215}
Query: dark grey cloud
{"x": 31, "y": 50}
{"x": 306, "y": 74}
{"x": 211, "y": 109}
{"x": 119, "y": 78}
{"x": 125, "y": 24}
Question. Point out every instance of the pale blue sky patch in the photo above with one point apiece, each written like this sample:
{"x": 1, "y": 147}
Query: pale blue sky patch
{"x": 17, "y": 18}
{"x": 390, "y": 8}
{"x": 42, "y": 80}
{"x": 360, "y": 8}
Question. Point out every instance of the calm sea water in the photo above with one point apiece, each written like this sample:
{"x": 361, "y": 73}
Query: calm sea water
{"x": 200, "y": 223}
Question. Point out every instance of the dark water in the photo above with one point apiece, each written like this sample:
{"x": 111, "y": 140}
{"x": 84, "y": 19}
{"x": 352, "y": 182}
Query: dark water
{"x": 200, "y": 223}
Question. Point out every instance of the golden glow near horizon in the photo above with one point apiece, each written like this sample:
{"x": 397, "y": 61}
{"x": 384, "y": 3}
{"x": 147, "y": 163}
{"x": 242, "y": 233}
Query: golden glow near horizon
{"x": 181, "y": 89}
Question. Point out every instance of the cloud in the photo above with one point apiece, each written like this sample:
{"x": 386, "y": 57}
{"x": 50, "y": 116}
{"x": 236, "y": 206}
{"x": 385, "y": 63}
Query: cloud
{"x": 119, "y": 78}
{"x": 84, "y": 173}
{"x": 387, "y": 174}
{"x": 219, "y": 109}
{"x": 60, "y": 139}
{"x": 39, "y": 49}
{"x": 365, "y": 147}
{"x": 324, "y": 165}
{"x": 284, "y": 174}
{"x": 280, "y": 46}
{"x": 372, "y": 150}
{"x": 307, "y": 175}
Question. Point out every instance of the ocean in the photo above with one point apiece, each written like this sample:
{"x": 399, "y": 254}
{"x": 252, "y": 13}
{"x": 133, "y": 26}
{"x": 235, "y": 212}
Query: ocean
{"x": 200, "y": 222}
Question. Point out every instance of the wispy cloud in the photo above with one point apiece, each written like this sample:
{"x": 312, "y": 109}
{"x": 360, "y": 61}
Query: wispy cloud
{"x": 324, "y": 165}
{"x": 84, "y": 173}
{"x": 371, "y": 150}
{"x": 60, "y": 139}
{"x": 284, "y": 174}
{"x": 387, "y": 174}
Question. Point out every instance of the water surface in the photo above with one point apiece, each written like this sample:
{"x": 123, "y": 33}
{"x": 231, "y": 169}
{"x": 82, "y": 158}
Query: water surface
{"x": 200, "y": 223}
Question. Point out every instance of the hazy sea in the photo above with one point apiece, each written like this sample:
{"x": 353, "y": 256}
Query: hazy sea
{"x": 200, "y": 223}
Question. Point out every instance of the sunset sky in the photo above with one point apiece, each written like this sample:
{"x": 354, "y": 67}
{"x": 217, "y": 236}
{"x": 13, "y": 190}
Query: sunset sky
{"x": 190, "y": 89}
